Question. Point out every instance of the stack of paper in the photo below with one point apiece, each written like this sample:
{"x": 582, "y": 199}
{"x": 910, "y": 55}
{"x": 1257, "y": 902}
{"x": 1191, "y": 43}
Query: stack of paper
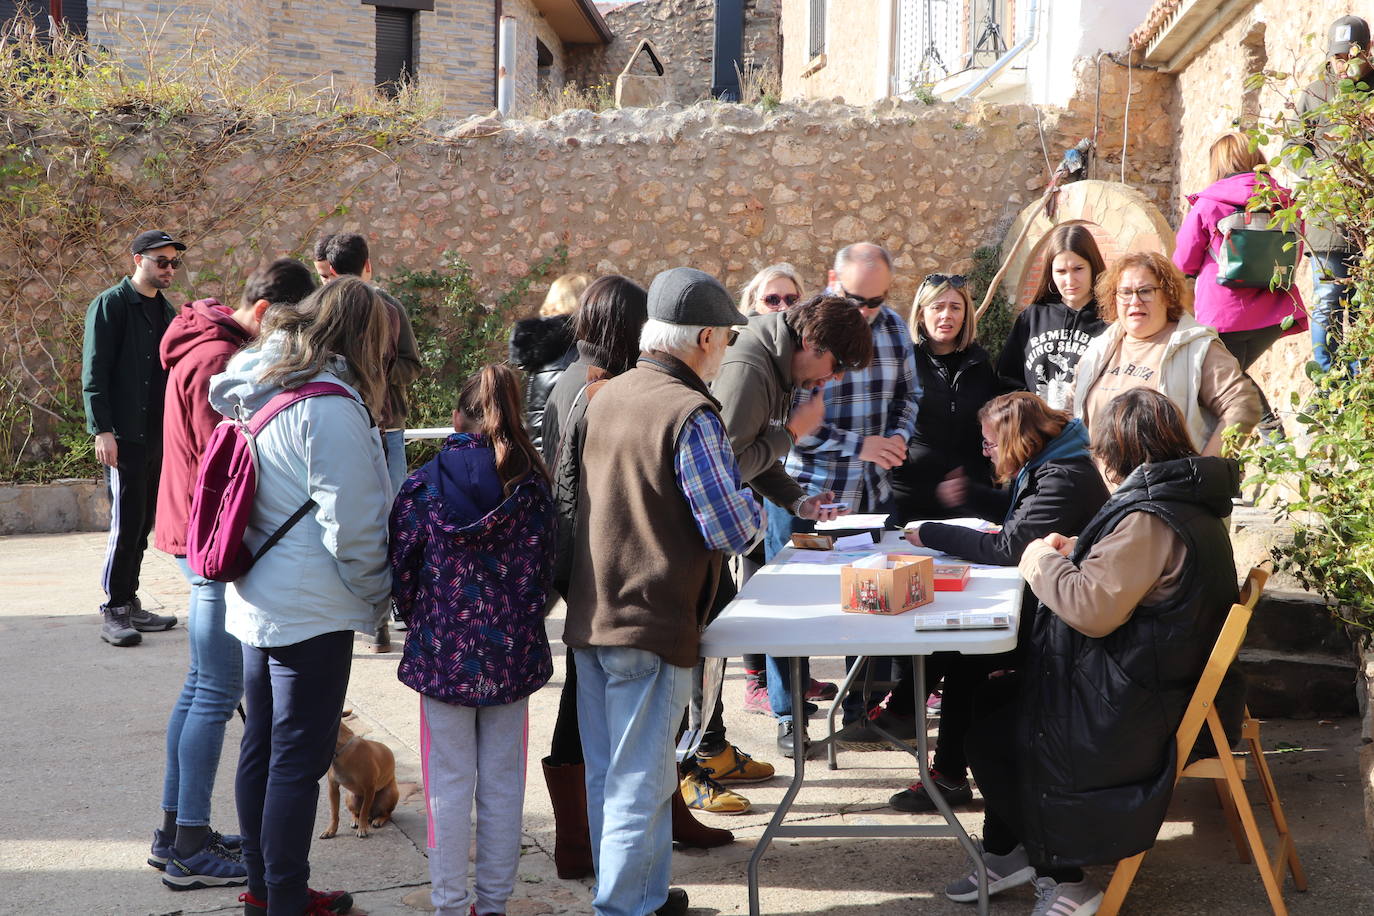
{"x": 962, "y": 620}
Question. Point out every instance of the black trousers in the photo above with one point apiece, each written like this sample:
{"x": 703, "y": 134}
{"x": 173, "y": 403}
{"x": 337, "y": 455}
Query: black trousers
{"x": 1246, "y": 347}
{"x": 132, "y": 485}
{"x": 566, "y": 748}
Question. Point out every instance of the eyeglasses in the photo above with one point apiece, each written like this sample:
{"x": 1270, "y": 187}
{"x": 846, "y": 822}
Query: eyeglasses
{"x": 872, "y": 302}
{"x": 955, "y": 281}
{"x": 775, "y": 300}
{"x": 1143, "y": 293}
{"x": 732, "y": 336}
{"x": 163, "y": 263}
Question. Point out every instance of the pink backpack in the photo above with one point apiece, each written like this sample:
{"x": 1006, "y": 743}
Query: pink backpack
{"x": 226, "y": 485}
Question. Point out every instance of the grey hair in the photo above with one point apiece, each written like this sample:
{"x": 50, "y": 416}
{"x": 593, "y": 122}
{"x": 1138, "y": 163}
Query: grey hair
{"x": 867, "y": 252}
{"x": 677, "y": 339}
{"x": 748, "y": 297}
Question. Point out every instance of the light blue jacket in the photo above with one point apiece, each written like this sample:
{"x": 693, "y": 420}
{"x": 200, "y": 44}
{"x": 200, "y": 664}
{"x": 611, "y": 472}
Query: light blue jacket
{"x": 330, "y": 571}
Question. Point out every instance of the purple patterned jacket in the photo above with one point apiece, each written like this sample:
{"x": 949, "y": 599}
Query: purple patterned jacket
{"x": 471, "y": 570}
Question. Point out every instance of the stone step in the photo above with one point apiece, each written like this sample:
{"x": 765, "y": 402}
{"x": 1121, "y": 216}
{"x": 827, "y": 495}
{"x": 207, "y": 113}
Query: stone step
{"x": 1293, "y": 685}
{"x": 1296, "y": 621}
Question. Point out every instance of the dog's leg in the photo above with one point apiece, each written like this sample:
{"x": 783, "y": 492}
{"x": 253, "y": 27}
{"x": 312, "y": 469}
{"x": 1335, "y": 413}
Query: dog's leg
{"x": 333, "y": 827}
{"x": 365, "y": 810}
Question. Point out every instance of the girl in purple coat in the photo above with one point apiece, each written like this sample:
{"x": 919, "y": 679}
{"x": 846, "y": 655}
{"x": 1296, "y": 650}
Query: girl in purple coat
{"x": 471, "y": 555}
{"x": 1248, "y": 320}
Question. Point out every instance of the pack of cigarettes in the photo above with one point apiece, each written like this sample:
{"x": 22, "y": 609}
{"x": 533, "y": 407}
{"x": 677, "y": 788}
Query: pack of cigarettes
{"x": 952, "y": 577}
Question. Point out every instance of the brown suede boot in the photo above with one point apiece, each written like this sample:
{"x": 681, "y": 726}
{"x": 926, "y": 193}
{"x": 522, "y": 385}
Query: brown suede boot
{"x": 572, "y": 845}
{"x": 688, "y": 831}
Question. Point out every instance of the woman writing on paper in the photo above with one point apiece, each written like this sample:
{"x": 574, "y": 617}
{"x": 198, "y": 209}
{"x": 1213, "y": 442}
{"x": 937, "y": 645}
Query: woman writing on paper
{"x": 1053, "y": 486}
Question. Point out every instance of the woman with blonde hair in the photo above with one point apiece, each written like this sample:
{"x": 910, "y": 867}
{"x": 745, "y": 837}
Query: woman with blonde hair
{"x": 1153, "y": 341}
{"x": 543, "y": 347}
{"x": 773, "y": 289}
{"x": 1248, "y": 320}
{"x": 319, "y": 461}
{"x": 957, "y": 379}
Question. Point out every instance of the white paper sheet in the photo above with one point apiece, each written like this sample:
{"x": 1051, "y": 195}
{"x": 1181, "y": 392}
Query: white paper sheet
{"x": 977, "y": 524}
{"x": 852, "y": 521}
{"x": 854, "y": 542}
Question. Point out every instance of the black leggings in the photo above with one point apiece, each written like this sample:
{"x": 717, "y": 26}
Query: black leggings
{"x": 1246, "y": 347}
{"x": 566, "y": 749}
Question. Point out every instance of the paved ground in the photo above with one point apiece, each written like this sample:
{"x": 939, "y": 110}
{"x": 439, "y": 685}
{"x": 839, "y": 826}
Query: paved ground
{"x": 83, "y": 723}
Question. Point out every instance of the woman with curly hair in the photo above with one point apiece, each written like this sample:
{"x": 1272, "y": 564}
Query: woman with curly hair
{"x": 1153, "y": 341}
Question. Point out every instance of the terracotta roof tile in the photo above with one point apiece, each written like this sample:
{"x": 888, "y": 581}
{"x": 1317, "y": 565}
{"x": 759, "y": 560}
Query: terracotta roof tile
{"x": 1155, "y": 21}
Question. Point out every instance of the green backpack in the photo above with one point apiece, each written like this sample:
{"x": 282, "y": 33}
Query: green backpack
{"x": 1255, "y": 252}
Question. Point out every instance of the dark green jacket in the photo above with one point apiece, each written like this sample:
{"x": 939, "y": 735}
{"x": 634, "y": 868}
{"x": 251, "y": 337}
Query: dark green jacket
{"x": 122, "y": 379}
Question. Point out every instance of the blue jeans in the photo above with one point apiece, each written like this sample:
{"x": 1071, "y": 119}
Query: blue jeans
{"x": 629, "y": 706}
{"x": 294, "y": 695}
{"x": 214, "y": 684}
{"x": 394, "y": 444}
{"x": 1328, "y": 311}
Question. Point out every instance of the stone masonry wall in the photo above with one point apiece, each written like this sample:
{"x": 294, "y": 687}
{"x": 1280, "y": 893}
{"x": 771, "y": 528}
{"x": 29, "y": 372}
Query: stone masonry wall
{"x": 726, "y": 188}
{"x": 681, "y": 31}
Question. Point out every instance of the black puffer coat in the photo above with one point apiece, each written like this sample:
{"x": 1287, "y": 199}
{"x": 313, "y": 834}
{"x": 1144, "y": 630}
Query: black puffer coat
{"x": 543, "y": 347}
{"x": 1098, "y": 716}
{"x": 947, "y": 436}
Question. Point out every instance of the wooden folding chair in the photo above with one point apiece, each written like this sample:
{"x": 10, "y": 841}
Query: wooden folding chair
{"x": 1227, "y": 770}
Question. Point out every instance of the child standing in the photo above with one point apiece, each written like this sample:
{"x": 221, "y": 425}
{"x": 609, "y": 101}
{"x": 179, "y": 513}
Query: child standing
{"x": 472, "y": 537}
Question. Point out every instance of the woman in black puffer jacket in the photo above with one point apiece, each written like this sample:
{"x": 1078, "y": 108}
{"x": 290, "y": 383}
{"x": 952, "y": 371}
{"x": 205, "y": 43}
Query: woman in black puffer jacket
{"x": 543, "y": 348}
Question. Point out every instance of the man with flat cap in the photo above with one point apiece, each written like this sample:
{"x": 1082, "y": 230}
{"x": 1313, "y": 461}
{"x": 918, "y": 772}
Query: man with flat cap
{"x": 122, "y": 385}
{"x": 660, "y": 506}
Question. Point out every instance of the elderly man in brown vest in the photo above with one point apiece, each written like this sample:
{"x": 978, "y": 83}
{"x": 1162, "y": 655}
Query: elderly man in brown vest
{"x": 660, "y": 505}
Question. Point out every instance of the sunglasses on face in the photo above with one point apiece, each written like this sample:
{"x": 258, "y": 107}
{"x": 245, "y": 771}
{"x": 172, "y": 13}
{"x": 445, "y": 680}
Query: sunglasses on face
{"x": 163, "y": 263}
{"x": 785, "y": 300}
{"x": 955, "y": 281}
{"x": 871, "y": 302}
{"x": 732, "y": 335}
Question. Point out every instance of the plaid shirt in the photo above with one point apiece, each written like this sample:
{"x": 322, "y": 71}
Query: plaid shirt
{"x": 727, "y": 515}
{"x": 878, "y": 401}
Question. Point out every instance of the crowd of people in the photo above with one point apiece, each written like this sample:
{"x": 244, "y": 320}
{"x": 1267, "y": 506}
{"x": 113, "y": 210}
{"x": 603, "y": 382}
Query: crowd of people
{"x": 661, "y": 445}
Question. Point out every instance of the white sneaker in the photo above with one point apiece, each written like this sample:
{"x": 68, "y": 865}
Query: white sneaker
{"x": 1080, "y": 898}
{"x": 1004, "y": 872}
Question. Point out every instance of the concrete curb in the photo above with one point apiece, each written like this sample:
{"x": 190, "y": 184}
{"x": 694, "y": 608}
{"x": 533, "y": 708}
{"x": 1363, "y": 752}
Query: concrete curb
{"x": 55, "y": 508}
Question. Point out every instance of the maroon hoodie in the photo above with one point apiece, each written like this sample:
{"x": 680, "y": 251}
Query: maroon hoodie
{"x": 197, "y": 345}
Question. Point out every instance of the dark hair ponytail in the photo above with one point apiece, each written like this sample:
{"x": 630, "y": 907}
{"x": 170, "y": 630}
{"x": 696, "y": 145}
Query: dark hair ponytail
{"x": 491, "y": 399}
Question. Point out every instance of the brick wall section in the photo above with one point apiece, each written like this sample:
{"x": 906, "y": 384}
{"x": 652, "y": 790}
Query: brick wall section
{"x": 681, "y": 31}
{"x": 850, "y": 65}
{"x": 329, "y": 43}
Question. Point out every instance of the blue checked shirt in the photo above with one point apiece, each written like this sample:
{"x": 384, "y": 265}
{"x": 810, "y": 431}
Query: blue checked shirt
{"x": 726, "y": 513}
{"x": 878, "y": 401}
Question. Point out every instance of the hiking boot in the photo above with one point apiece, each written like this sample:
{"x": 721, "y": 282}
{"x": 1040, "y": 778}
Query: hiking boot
{"x": 702, "y": 793}
{"x": 212, "y": 866}
{"x": 164, "y": 845}
{"x": 147, "y": 621}
{"x": 915, "y": 800}
{"x": 733, "y": 765}
{"x": 116, "y": 629}
{"x": 861, "y": 735}
{"x": 1079, "y": 898}
{"x": 820, "y": 690}
{"x": 1004, "y": 872}
{"x": 756, "y": 697}
{"x": 320, "y": 903}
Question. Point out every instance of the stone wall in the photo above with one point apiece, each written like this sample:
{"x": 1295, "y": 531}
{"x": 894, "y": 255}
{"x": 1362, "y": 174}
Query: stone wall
{"x": 681, "y": 31}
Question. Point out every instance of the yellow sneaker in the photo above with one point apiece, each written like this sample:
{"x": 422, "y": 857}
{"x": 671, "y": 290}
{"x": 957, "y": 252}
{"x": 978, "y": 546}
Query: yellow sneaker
{"x": 733, "y": 765}
{"x": 702, "y": 793}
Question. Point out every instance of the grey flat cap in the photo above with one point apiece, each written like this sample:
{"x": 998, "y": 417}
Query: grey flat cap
{"x": 688, "y": 296}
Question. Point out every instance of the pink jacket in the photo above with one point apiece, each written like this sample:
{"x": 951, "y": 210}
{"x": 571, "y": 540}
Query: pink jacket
{"x": 1217, "y": 306}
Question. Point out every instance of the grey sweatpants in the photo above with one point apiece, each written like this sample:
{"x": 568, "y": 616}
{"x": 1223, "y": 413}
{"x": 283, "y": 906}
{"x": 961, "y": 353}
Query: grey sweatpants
{"x": 463, "y": 749}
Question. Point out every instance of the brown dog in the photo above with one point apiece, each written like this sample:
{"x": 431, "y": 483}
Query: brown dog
{"x": 367, "y": 771}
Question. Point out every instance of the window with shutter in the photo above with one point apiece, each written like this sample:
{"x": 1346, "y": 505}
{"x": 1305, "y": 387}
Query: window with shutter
{"x": 395, "y": 48}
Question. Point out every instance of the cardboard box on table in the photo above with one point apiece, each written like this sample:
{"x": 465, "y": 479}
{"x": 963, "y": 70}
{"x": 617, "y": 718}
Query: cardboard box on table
{"x": 887, "y": 584}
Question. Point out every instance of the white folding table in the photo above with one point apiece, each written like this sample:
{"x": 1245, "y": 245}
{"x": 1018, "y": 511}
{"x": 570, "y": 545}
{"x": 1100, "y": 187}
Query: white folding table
{"x": 791, "y": 609}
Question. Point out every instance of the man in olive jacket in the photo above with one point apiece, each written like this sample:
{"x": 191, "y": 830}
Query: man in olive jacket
{"x": 123, "y": 385}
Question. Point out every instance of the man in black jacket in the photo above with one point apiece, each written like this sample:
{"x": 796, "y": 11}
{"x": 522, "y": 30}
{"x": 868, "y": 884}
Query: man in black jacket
{"x": 122, "y": 386}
